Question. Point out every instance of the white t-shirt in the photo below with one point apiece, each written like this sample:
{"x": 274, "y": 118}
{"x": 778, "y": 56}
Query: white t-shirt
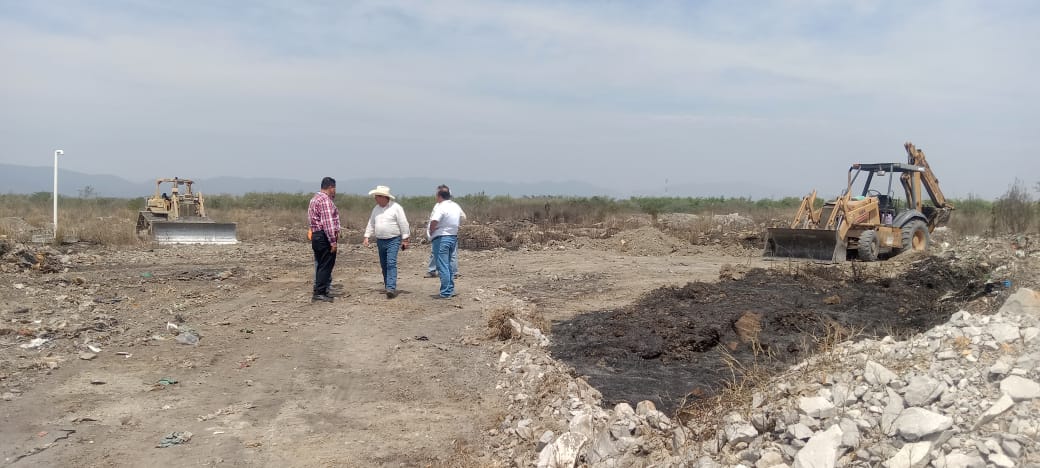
{"x": 387, "y": 223}
{"x": 449, "y": 216}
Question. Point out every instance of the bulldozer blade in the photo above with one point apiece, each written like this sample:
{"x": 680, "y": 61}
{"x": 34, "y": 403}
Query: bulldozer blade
{"x": 174, "y": 232}
{"x": 815, "y": 244}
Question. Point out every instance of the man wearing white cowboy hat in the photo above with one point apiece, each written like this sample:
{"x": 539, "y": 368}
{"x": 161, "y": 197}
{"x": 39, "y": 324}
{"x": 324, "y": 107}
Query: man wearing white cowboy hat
{"x": 390, "y": 227}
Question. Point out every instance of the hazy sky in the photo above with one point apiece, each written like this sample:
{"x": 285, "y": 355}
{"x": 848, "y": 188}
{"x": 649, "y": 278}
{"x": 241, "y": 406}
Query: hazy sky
{"x": 626, "y": 95}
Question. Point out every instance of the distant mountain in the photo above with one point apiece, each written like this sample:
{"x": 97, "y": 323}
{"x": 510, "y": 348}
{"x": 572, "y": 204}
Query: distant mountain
{"x": 27, "y": 179}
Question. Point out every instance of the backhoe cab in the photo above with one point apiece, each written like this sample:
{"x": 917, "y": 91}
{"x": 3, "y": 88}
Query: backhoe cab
{"x": 871, "y": 224}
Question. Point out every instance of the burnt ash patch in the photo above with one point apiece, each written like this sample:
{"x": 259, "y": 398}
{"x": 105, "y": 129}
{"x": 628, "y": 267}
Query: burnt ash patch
{"x": 690, "y": 341}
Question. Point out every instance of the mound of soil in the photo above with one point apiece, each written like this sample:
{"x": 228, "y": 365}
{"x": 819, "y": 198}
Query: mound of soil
{"x": 683, "y": 342}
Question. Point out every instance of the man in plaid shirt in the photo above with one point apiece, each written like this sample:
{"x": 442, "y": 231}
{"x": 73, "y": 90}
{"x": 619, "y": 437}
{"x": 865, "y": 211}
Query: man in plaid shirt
{"x": 324, "y": 224}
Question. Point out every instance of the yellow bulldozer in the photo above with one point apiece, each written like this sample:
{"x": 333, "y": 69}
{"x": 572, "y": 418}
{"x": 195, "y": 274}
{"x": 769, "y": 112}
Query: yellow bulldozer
{"x": 179, "y": 217}
{"x": 872, "y": 225}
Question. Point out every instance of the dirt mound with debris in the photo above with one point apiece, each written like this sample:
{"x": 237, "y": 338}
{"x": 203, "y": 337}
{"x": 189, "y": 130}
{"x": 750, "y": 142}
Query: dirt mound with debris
{"x": 15, "y": 256}
{"x": 687, "y": 342}
{"x": 479, "y": 237}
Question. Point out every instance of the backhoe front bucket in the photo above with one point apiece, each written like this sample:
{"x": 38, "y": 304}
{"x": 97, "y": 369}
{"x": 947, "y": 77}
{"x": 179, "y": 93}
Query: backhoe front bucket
{"x": 187, "y": 232}
{"x": 814, "y": 244}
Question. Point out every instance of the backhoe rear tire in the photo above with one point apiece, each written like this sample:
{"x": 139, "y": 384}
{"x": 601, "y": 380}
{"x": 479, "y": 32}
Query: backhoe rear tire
{"x": 915, "y": 236}
{"x": 869, "y": 246}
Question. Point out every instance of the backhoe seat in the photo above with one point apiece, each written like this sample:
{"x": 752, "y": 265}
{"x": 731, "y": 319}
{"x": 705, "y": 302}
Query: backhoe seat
{"x": 886, "y": 205}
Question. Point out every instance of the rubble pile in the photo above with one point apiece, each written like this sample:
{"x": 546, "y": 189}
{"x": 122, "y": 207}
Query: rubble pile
{"x": 962, "y": 394}
{"x": 16, "y": 256}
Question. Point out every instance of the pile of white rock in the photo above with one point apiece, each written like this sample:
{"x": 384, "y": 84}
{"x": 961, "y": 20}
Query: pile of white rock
{"x": 963, "y": 394}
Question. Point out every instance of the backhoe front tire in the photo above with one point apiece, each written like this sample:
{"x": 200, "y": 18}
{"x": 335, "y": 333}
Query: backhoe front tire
{"x": 869, "y": 246}
{"x": 915, "y": 236}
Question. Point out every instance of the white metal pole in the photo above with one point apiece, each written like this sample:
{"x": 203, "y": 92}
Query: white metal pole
{"x": 56, "y": 153}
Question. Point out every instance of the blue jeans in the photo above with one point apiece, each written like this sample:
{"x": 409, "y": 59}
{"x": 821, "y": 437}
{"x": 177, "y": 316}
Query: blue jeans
{"x": 442, "y": 247}
{"x": 388, "y": 249}
{"x": 454, "y": 260}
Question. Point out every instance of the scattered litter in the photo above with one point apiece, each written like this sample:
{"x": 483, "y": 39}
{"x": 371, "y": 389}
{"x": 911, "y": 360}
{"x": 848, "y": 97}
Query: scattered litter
{"x": 97, "y": 382}
{"x": 19, "y": 286}
{"x": 247, "y": 362}
{"x": 188, "y": 338}
{"x": 41, "y": 433}
{"x": 46, "y": 446}
{"x": 218, "y": 432}
{"x": 146, "y": 275}
{"x": 253, "y": 444}
{"x": 83, "y": 420}
{"x": 174, "y": 438}
{"x": 185, "y": 334}
{"x": 227, "y": 410}
{"x": 94, "y": 348}
{"x": 125, "y": 354}
{"x": 422, "y": 338}
{"x": 163, "y": 383}
{"x": 34, "y": 343}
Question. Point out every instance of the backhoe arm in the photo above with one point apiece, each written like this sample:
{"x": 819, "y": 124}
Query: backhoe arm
{"x": 916, "y": 157}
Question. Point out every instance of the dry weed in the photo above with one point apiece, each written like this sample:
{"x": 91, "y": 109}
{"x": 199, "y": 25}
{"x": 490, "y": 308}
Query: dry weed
{"x": 500, "y": 329}
{"x": 498, "y": 326}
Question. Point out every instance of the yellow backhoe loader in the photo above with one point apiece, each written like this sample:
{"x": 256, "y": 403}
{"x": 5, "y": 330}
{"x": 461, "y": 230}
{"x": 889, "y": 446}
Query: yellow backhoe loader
{"x": 180, "y": 217}
{"x": 871, "y": 225}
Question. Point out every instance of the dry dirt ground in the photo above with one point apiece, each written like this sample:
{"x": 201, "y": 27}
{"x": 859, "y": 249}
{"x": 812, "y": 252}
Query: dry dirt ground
{"x": 276, "y": 380}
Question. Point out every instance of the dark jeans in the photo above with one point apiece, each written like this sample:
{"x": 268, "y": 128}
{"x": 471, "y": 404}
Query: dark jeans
{"x": 388, "y": 260}
{"x": 324, "y": 260}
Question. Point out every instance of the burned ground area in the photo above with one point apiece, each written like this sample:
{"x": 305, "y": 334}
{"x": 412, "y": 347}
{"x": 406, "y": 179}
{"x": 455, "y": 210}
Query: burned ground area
{"x": 687, "y": 342}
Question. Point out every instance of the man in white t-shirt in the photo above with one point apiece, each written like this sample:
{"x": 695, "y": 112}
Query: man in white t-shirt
{"x": 431, "y": 270}
{"x": 444, "y": 230}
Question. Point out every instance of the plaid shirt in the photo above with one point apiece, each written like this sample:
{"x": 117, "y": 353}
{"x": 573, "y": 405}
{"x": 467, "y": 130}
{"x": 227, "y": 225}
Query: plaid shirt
{"x": 324, "y": 216}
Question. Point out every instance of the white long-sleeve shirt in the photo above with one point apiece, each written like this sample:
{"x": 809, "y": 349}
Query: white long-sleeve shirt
{"x": 388, "y": 222}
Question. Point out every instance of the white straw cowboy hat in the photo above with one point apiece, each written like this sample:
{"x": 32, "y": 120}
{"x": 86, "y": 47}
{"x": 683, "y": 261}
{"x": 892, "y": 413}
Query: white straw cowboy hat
{"x": 382, "y": 190}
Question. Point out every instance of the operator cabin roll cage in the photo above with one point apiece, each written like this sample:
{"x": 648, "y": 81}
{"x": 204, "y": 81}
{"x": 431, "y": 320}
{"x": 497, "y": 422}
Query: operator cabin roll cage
{"x": 887, "y": 203}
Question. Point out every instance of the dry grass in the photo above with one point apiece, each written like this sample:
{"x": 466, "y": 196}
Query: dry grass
{"x": 283, "y": 216}
{"x": 758, "y": 376}
{"x": 498, "y": 325}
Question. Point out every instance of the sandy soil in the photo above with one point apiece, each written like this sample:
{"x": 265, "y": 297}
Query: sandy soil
{"x": 276, "y": 380}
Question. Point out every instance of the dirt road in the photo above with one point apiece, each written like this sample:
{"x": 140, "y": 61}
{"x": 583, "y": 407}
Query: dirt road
{"x": 276, "y": 380}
